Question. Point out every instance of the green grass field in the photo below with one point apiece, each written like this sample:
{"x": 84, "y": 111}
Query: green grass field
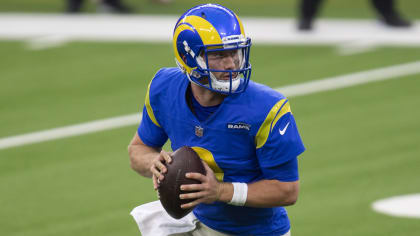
{"x": 362, "y": 142}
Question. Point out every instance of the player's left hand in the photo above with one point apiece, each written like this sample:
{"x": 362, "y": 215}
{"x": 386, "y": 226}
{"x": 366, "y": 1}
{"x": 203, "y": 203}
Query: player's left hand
{"x": 207, "y": 192}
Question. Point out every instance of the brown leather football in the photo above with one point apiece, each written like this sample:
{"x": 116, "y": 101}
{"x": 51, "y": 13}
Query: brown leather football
{"x": 184, "y": 160}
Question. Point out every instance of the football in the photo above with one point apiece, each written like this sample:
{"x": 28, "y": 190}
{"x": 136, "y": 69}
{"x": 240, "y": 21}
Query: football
{"x": 184, "y": 160}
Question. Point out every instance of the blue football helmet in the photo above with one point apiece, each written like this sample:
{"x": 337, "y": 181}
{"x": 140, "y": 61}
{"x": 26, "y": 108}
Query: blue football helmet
{"x": 211, "y": 28}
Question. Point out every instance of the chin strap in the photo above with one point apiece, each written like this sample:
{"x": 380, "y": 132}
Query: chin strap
{"x": 180, "y": 66}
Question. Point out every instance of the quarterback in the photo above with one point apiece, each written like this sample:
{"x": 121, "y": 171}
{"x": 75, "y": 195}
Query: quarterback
{"x": 244, "y": 132}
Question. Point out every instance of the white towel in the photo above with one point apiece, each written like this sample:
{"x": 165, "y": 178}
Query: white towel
{"x": 153, "y": 220}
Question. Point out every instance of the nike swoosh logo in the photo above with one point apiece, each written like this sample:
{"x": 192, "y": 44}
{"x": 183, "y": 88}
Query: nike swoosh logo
{"x": 282, "y": 131}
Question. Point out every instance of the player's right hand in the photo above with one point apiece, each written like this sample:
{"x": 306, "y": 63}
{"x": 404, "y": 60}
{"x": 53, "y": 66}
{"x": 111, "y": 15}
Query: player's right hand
{"x": 158, "y": 167}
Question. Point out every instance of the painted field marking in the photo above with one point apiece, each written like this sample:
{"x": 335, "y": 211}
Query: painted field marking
{"x": 42, "y": 31}
{"x": 399, "y": 206}
{"x": 344, "y": 81}
{"x": 69, "y": 131}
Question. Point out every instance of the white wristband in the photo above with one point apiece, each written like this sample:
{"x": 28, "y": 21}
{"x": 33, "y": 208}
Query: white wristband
{"x": 240, "y": 193}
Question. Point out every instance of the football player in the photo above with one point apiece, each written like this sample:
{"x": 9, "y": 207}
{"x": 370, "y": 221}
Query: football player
{"x": 244, "y": 131}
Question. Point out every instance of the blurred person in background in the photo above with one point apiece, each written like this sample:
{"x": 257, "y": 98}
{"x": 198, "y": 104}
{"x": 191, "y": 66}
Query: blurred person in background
{"x": 109, "y": 6}
{"x": 385, "y": 8}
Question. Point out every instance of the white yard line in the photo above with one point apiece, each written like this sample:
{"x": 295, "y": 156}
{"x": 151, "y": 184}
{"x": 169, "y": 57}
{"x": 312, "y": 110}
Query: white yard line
{"x": 344, "y": 81}
{"x": 48, "y": 30}
{"x": 69, "y": 131}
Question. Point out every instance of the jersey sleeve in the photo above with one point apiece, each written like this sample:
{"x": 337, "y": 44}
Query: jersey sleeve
{"x": 150, "y": 129}
{"x": 151, "y": 134}
{"x": 285, "y": 172}
{"x": 278, "y": 141}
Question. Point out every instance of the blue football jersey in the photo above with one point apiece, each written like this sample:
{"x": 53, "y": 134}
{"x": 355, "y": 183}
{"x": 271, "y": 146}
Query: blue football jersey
{"x": 244, "y": 140}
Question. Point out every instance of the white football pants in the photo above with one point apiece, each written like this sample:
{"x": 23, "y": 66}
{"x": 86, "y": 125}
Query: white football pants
{"x": 203, "y": 230}
{"x": 153, "y": 220}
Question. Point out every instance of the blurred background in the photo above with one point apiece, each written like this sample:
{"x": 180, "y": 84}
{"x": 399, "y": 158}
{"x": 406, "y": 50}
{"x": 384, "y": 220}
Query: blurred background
{"x": 73, "y": 81}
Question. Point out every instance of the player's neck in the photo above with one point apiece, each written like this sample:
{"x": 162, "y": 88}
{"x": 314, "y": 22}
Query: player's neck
{"x": 206, "y": 97}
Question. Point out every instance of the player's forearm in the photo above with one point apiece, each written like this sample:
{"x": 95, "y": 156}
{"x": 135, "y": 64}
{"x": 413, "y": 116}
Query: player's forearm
{"x": 272, "y": 193}
{"x": 141, "y": 157}
{"x": 265, "y": 193}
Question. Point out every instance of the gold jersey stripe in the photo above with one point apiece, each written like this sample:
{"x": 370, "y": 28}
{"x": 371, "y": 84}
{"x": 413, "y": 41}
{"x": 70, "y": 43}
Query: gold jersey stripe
{"x": 270, "y": 121}
{"x": 207, "y": 156}
{"x": 283, "y": 111}
{"x": 149, "y": 107}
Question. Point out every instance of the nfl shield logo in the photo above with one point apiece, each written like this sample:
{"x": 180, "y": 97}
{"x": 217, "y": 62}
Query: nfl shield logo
{"x": 199, "y": 131}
